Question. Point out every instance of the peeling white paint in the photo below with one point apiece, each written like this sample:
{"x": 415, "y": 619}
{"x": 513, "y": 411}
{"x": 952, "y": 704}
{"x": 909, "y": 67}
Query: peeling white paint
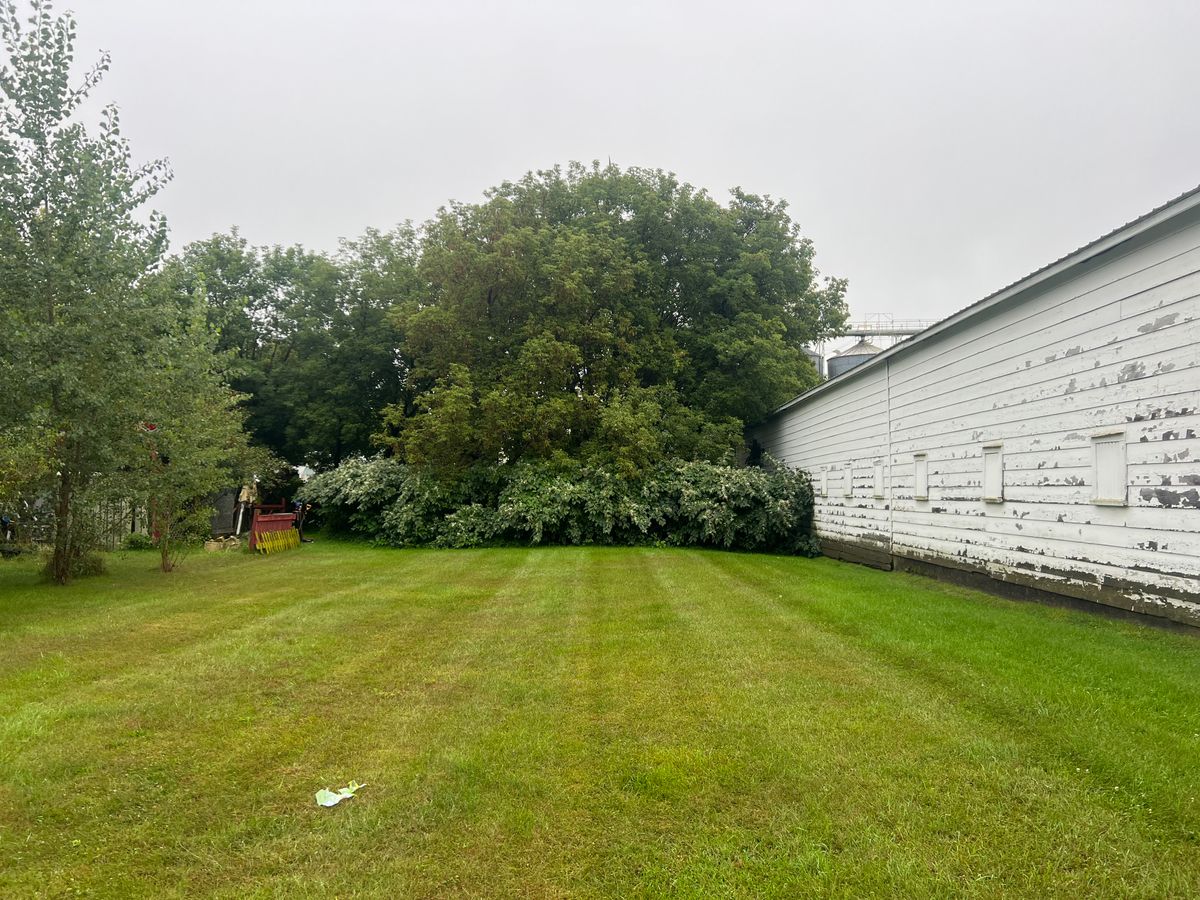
{"x": 1109, "y": 345}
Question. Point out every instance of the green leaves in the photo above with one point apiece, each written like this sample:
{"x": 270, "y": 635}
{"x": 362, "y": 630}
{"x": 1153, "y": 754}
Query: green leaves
{"x": 310, "y": 335}
{"x": 94, "y": 339}
{"x": 617, "y": 317}
{"x": 76, "y": 325}
{"x": 200, "y": 431}
{"x": 560, "y": 502}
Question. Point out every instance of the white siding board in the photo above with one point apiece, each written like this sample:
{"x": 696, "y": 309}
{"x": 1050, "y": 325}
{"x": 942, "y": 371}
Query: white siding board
{"x": 1097, "y": 388}
{"x": 1060, "y": 304}
{"x": 1089, "y": 369}
{"x": 1116, "y": 347}
{"x": 827, "y": 440}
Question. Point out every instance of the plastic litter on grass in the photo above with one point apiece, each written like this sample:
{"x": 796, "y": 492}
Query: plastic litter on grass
{"x": 326, "y": 797}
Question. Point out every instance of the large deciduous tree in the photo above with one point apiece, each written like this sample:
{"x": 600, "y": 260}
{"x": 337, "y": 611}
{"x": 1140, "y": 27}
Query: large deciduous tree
{"x": 312, "y": 341}
{"x": 606, "y": 315}
{"x": 72, "y": 250}
{"x": 85, "y": 344}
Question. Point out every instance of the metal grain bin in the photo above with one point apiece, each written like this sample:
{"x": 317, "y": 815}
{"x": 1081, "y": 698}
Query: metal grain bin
{"x": 851, "y": 357}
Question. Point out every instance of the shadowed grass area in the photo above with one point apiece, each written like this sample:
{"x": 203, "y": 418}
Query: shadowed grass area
{"x": 583, "y": 722}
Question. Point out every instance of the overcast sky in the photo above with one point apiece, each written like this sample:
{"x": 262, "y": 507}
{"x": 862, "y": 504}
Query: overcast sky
{"x": 934, "y": 152}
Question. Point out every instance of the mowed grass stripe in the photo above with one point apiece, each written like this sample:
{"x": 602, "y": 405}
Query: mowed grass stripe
{"x": 270, "y": 706}
{"x": 410, "y": 741}
{"x": 498, "y": 759}
{"x": 858, "y": 748}
{"x": 584, "y": 722}
{"x": 922, "y": 742}
{"x": 1124, "y": 701}
{"x": 489, "y": 764}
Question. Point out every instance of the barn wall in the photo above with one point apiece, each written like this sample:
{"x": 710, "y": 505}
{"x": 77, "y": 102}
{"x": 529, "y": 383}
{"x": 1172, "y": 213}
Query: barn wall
{"x": 1111, "y": 346}
{"x": 838, "y": 436}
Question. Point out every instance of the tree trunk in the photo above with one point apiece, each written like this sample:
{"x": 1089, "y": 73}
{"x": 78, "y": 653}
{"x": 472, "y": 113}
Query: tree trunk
{"x": 60, "y": 564}
{"x": 164, "y": 541}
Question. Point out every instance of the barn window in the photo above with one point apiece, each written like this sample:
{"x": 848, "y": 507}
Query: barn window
{"x": 920, "y": 477}
{"x": 848, "y": 482}
{"x": 1109, "y": 479}
{"x": 825, "y": 482}
{"x": 993, "y": 473}
{"x": 877, "y": 479}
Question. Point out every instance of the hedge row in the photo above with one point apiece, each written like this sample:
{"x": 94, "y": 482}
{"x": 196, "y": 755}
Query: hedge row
{"x": 679, "y": 503}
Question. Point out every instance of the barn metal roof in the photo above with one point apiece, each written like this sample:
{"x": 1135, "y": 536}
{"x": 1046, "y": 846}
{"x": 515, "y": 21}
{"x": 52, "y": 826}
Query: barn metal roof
{"x": 1184, "y": 202}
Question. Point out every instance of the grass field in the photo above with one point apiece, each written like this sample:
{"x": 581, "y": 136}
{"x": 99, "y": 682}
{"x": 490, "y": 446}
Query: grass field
{"x": 583, "y": 722}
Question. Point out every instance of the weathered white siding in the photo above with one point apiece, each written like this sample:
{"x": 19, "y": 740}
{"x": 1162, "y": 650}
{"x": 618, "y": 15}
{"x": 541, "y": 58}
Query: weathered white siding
{"x": 1109, "y": 345}
{"x": 839, "y": 434}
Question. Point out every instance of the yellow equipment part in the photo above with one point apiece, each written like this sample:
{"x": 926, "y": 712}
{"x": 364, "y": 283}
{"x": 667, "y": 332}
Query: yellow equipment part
{"x": 274, "y": 541}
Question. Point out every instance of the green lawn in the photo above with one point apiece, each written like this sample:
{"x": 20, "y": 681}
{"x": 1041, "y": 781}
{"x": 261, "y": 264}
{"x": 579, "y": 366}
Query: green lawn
{"x": 583, "y": 722}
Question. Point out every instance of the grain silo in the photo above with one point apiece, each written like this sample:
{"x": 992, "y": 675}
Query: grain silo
{"x": 818, "y": 361}
{"x": 851, "y": 357}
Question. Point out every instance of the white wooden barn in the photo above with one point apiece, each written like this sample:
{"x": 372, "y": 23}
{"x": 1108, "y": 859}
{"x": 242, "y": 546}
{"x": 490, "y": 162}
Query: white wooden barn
{"x": 1046, "y": 437}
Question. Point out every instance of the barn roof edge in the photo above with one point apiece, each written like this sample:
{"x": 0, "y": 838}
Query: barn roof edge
{"x": 1158, "y": 215}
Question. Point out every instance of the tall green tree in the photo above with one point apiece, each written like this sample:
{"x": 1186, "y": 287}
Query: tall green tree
{"x": 94, "y": 353}
{"x": 74, "y": 248}
{"x": 314, "y": 346}
{"x": 605, "y": 315}
{"x": 194, "y": 444}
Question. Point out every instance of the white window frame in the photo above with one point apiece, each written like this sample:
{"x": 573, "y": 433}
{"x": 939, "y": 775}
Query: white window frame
{"x": 824, "y": 484}
{"x": 877, "y": 478}
{"x": 920, "y": 461}
{"x": 1116, "y": 437}
{"x": 848, "y": 480}
{"x": 992, "y": 450}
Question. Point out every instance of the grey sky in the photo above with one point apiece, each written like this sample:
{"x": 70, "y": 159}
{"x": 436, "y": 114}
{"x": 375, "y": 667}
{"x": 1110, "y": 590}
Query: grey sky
{"x": 933, "y": 151}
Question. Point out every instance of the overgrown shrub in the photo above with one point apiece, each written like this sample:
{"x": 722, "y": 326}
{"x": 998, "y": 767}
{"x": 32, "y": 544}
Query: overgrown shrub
{"x": 137, "y": 540}
{"x": 679, "y": 503}
{"x": 79, "y": 565}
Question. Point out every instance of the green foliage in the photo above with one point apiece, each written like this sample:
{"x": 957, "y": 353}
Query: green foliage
{"x": 309, "y": 335}
{"x": 137, "y": 541}
{"x": 679, "y": 502}
{"x": 614, "y": 317}
{"x": 572, "y": 361}
{"x": 26, "y": 448}
{"x": 352, "y": 497}
{"x": 198, "y": 445}
{"x": 96, "y": 345}
{"x": 82, "y": 564}
{"x": 74, "y": 325}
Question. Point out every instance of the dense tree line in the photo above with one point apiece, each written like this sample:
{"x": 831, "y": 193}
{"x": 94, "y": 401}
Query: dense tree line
{"x": 595, "y": 314}
{"x": 582, "y": 319}
{"x": 311, "y": 336}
